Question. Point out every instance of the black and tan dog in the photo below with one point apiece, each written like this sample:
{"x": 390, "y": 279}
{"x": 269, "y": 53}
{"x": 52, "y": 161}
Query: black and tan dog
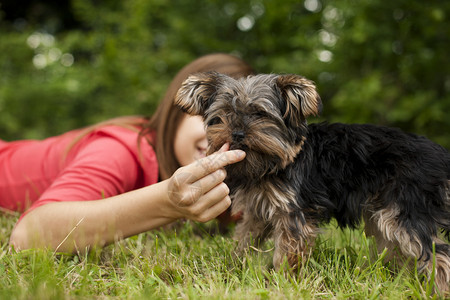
{"x": 298, "y": 176}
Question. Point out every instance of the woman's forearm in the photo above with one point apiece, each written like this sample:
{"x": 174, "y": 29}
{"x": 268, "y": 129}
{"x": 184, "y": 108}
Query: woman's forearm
{"x": 73, "y": 226}
{"x": 196, "y": 192}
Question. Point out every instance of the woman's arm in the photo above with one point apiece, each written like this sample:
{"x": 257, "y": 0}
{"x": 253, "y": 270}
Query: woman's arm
{"x": 195, "y": 192}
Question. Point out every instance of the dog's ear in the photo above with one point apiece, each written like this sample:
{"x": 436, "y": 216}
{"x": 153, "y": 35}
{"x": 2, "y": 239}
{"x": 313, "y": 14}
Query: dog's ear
{"x": 197, "y": 92}
{"x": 301, "y": 98}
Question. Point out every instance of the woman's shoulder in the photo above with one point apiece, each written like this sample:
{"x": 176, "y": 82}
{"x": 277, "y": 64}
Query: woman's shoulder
{"x": 127, "y": 139}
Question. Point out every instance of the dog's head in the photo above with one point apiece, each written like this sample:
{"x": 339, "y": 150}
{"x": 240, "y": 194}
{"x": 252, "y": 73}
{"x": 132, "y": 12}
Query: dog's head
{"x": 264, "y": 115}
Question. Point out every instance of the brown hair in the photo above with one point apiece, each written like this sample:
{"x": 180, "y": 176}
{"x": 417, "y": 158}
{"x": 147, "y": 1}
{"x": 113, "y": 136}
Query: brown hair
{"x": 167, "y": 117}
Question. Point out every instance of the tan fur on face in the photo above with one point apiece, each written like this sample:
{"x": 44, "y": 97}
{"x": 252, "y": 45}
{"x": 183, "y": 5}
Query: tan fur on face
{"x": 257, "y": 141}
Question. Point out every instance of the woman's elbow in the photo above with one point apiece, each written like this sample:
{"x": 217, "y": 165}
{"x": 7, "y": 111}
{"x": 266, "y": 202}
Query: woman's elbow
{"x": 19, "y": 239}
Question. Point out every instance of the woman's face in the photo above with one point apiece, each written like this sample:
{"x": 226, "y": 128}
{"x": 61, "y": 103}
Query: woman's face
{"x": 190, "y": 140}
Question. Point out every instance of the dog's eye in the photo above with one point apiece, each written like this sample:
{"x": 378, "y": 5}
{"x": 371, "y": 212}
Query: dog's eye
{"x": 214, "y": 121}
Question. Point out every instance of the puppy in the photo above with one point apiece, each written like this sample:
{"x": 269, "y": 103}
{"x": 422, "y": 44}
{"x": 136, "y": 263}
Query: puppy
{"x": 296, "y": 177}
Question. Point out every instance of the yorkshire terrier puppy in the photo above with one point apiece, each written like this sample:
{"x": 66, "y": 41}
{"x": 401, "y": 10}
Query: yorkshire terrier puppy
{"x": 296, "y": 177}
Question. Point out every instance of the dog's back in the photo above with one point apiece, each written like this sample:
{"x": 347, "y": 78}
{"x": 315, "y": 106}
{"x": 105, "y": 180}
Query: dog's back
{"x": 352, "y": 168}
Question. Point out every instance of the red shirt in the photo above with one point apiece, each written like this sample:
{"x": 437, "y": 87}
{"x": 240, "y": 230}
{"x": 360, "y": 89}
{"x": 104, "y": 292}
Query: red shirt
{"x": 104, "y": 163}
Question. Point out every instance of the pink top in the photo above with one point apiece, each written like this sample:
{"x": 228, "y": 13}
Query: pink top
{"x": 104, "y": 163}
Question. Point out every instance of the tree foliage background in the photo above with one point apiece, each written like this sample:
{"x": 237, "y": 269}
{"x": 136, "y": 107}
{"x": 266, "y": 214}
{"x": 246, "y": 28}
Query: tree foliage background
{"x": 66, "y": 64}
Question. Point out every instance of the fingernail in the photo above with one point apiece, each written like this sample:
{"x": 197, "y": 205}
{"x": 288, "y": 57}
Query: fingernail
{"x": 240, "y": 153}
{"x": 221, "y": 173}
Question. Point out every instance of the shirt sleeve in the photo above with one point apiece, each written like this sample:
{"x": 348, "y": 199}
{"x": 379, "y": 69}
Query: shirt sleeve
{"x": 103, "y": 168}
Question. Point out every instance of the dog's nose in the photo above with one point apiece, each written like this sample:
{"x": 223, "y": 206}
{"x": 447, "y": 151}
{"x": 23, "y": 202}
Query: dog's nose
{"x": 238, "y": 136}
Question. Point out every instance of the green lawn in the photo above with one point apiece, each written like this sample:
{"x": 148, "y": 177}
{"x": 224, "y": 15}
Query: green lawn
{"x": 191, "y": 263}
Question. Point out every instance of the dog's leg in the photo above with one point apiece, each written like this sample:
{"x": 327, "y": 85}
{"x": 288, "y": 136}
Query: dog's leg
{"x": 294, "y": 245}
{"x": 250, "y": 231}
{"x": 442, "y": 266}
{"x": 403, "y": 242}
{"x": 371, "y": 229}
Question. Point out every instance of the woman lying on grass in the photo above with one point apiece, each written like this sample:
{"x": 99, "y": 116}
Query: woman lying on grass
{"x": 141, "y": 173}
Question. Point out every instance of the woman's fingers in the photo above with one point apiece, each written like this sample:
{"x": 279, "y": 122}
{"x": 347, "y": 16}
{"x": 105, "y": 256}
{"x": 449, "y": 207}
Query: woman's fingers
{"x": 212, "y": 163}
{"x": 212, "y": 180}
{"x": 214, "y": 211}
{"x": 185, "y": 193}
{"x": 211, "y": 204}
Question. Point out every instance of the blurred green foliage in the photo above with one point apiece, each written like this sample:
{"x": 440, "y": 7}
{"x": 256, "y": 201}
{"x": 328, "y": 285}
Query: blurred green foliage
{"x": 383, "y": 62}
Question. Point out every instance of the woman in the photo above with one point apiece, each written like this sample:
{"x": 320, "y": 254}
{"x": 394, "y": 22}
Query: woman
{"x": 142, "y": 174}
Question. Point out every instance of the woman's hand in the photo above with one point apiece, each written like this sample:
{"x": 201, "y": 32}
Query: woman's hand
{"x": 197, "y": 191}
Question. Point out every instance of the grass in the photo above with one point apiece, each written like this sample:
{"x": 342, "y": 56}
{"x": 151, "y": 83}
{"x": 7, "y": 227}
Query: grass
{"x": 190, "y": 263}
